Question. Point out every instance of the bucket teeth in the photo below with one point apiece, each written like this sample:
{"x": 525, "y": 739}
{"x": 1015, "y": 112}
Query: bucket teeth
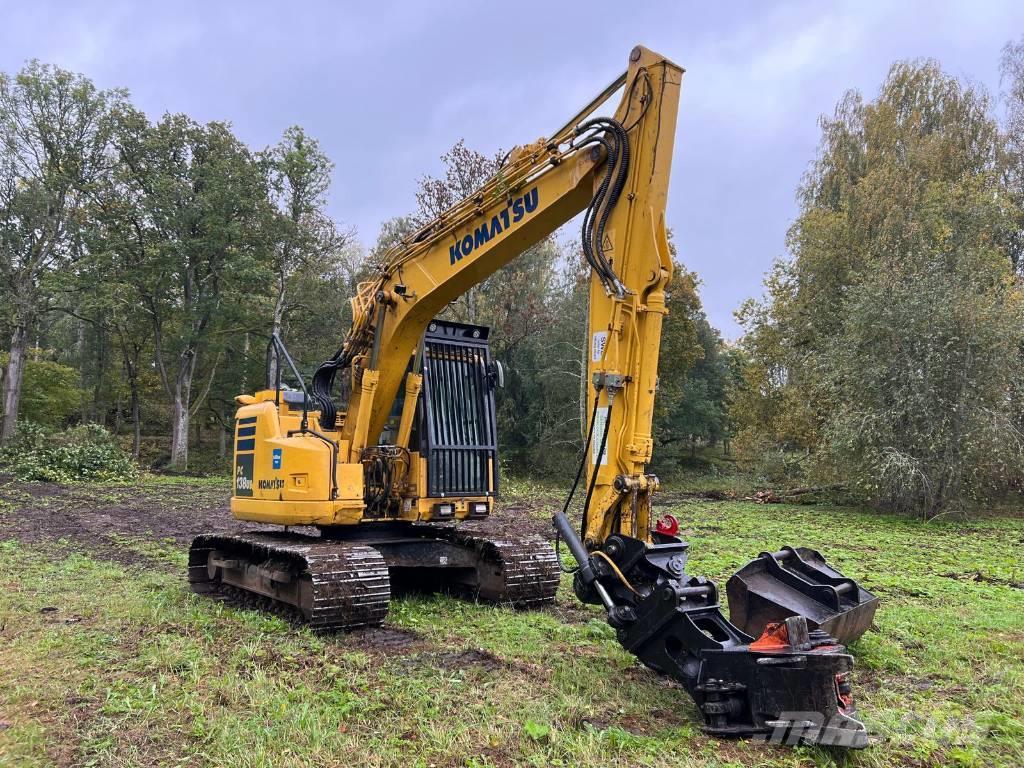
{"x": 798, "y": 582}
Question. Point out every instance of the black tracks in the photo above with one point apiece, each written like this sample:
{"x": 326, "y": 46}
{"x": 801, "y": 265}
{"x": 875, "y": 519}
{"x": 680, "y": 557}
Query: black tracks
{"x": 523, "y": 573}
{"x": 345, "y": 585}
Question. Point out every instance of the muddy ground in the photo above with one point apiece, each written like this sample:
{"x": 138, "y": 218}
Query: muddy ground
{"x": 93, "y": 517}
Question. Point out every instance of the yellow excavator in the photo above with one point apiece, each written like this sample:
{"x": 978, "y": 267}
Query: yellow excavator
{"x": 380, "y": 483}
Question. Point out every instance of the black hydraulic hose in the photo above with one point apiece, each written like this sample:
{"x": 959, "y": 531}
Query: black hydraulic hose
{"x": 616, "y": 139}
{"x": 622, "y": 172}
{"x": 608, "y": 140}
{"x": 322, "y": 384}
{"x": 320, "y": 387}
{"x": 576, "y": 482}
{"x": 595, "y": 204}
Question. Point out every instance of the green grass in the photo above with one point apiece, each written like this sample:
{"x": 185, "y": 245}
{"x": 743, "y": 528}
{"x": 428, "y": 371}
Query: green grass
{"x": 132, "y": 669}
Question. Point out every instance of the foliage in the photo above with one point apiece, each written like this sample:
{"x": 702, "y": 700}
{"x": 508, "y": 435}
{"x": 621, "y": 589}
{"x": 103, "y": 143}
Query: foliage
{"x": 306, "y": 241}
{"x": 50, "y": 393}
{"x": 86, "y": 453}
{"x": 201, "y": 200}
{"x": 889, "y": 348}
{"x": 55, "y": 131}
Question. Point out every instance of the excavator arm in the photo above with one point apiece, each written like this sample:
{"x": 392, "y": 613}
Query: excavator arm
{"x": 616, "y": 172}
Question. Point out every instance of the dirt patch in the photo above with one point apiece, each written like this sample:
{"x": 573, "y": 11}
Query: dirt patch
{"x": 92, "y": 517}
{"x": 381, "y": 639}
{"x": 466, "y": 659}
{"x": 576, "y": 613}
{"x": 471, "y": 657}
{"x": 89, "y": 517}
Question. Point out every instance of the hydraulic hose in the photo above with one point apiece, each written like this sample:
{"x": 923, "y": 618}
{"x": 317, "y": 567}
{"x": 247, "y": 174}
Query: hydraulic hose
{"x": 575, "y": 485}
{"x": 610, "y": 134}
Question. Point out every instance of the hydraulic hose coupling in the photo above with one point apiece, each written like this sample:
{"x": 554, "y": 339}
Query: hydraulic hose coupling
{"x": 386, "y": 298}
{"x": 627, "y": 483}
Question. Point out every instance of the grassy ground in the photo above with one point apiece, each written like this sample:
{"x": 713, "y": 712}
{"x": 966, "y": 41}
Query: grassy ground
{"x": 107, "y": 659}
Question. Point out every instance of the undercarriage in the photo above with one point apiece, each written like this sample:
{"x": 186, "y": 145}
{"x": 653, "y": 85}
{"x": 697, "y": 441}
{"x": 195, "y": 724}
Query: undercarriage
{"x": 344, "y": 578}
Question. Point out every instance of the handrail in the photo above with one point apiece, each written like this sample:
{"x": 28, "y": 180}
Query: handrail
{"x": 277, "y": 346}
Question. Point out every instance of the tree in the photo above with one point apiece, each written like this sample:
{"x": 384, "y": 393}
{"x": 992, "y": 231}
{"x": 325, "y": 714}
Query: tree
{"x": 876, "y": 351}
{"x": 1011, "y": 67}
{"x": 119, "y": 242}
{"x": 305, "y": 237}
{"x": 205, "y": 262}
{"x": 55, "y": 130}
{"x": 680, "y": 350}
{"x": 51, "y": 391}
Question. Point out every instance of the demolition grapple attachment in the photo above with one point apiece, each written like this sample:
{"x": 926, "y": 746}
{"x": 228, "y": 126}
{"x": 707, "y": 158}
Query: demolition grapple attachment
{"x": 798, "y": 582}
{"x": 789, "y": 684}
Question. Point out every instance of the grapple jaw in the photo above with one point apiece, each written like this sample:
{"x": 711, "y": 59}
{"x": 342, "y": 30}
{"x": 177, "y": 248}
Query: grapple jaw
{"x": 789, "y": 685}
{"x": 798, "y": 582}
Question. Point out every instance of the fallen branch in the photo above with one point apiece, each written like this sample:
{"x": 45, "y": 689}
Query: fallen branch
{"x": 769, "y": 496}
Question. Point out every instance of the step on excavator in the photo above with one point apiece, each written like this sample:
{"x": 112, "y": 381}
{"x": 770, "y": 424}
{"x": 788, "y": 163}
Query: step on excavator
{"x": 382, "y": 483}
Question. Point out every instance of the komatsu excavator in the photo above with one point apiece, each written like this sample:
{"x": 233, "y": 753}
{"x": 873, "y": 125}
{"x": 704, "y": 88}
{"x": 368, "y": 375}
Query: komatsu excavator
{"x": 381, "y": 484}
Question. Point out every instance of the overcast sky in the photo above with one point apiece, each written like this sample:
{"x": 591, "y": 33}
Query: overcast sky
{"x": 388, "y": 86}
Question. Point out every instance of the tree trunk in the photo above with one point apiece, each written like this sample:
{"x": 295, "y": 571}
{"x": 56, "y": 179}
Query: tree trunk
{"x": 99, "y": 392}
{"x": 223, "y": 437}
{"x": 180, "y": 423}
{"x": 12, "y": 381}
{"x": 179, "y": 434}
{"x": 136, "y": 421}
{"x": 131, "y": 367}
{"x": 273, "y": 363}
{"x": 83, "y": 377}
{"x": 245, "y": 360}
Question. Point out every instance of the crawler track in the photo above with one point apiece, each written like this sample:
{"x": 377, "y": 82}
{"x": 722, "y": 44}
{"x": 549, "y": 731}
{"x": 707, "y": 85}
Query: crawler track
{"x": 333, "y": 585}
{"x": 523, "y": 573}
